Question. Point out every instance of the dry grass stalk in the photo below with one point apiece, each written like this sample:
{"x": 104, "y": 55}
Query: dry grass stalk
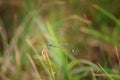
{"x": 100, "y": 75}
{"x": 47, "y": 61}
{"x": 4, "y": 36}
{"x": 94, "y": 77}
{"x": 35, "y": 68}
{"x": 117, "y": 54}
{"x": 17, "y": 56}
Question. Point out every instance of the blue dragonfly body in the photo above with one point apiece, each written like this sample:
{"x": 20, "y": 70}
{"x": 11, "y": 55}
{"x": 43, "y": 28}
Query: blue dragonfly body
{"x": 55, "y": 46}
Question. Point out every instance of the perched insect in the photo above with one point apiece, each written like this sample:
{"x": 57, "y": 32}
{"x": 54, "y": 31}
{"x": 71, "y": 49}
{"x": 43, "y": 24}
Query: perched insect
{"x": 51, "y": 45}
{"x": 62, "y": 46}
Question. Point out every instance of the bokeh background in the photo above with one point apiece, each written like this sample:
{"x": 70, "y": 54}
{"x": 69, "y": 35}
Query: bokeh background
{"x": 86, "y": 30}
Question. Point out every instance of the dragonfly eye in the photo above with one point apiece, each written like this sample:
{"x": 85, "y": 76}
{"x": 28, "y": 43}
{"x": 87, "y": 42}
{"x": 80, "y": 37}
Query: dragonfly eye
{"x": 73, "y": 51}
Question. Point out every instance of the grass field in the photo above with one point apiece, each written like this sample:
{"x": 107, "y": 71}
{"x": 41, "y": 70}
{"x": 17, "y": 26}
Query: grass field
{"x": 60, "y": 40}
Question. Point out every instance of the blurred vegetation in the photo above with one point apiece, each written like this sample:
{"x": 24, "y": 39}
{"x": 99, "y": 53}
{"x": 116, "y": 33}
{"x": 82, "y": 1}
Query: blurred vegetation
{"x": 59, "y": 40}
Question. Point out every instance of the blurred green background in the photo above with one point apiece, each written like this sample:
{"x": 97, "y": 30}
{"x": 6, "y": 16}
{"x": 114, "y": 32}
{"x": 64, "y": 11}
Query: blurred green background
{"x": 81, "y": 38}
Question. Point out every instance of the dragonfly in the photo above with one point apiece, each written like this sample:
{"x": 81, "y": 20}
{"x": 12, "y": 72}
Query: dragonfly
{"x": 62, "y": 46}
